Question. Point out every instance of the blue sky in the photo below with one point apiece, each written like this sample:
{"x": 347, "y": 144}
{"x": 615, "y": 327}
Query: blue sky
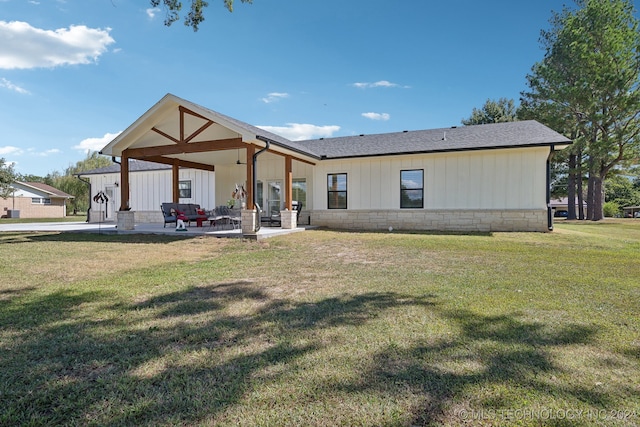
{"x": 75, "y": 73}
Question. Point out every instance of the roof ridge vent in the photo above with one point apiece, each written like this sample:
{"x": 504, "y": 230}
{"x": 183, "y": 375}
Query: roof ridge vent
{"x": 362, "y": 134}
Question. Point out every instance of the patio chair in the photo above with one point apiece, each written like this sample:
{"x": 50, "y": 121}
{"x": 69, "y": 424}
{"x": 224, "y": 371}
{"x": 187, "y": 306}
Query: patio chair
{"x": 276, "y": 218}
{"x": 168, "y": 213}
{"x": 235, "y": 218}
{"x": 216, "y": 217}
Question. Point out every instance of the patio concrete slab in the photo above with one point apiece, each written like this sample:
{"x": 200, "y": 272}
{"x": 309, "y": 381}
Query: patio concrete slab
{"x": 143, "y": 228}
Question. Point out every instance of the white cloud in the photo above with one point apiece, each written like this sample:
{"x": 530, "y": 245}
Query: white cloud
{"x": 381, "y": 83}
{"x": 274, "y": 96}
{"x": 301, "y": 131}
{"x": 95, "y": 144}
{"x": 8, "y": 85}
{"x": 23, "y": 46}
{"x": 377, "y": 116}
{"x": 10, "y": 150}
{"x": 152, "y": 12}
{"x": 44, "y": 153}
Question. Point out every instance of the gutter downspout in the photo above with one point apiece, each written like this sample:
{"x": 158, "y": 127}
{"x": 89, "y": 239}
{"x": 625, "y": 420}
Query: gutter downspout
{"x": 549, "y": 215}
{"x": 255, "y": 177}
{"x": 89, "y": 184}
{"x": 113, "y": 159}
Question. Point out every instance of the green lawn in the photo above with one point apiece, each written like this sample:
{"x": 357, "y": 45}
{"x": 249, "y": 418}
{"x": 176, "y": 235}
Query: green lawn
{"x": 323, "y": 328}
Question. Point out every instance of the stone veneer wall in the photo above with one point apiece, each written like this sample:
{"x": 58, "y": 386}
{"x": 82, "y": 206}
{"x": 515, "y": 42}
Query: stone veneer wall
{"x": 150, "y": 217}
{"x": 440, "y": 220}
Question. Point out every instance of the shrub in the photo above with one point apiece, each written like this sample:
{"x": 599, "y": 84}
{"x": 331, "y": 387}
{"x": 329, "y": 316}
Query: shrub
{"x": 611, "y": 209}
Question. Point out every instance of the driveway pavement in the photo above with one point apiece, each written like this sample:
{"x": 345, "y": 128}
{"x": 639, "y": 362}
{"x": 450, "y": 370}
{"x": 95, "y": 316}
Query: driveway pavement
{"x": 57, "y": 226}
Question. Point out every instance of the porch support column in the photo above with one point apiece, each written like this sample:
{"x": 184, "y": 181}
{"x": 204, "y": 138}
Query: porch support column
{"x": 288, "y": 217}
{"x": 175, "y": 181}
{"x": 251, "y": 149}
{"x": 125, "y": 218}
{"x": 288, "y": 184}
{"x": 124, "y": 181}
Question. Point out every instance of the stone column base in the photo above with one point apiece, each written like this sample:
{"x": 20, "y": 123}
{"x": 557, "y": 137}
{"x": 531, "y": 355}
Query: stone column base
{"x": 248, "y": 221}
{"x": 289, "y": 219}
{"x": 126, "y": 220}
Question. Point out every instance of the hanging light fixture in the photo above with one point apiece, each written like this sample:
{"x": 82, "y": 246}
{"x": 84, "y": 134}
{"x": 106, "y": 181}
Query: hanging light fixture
{"x": 238, "y": 162}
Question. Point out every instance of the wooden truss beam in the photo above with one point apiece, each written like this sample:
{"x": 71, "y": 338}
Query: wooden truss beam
{"x": 192, "y": 147}
{"x": 182, "y": 163}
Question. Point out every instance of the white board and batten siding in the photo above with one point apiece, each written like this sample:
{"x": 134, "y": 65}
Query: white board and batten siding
{"x": 473, "y": 186}
{"x": 149, "y": 189}
{"x": 495, "y": 179}
{"x": 270, "y": 168}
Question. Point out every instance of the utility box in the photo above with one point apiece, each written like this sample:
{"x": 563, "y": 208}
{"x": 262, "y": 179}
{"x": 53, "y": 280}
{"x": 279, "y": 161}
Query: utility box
{"x": 13, "y": 213}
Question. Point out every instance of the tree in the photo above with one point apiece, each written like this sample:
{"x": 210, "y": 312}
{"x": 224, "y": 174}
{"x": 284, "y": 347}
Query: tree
{"x": 620, "y": 190}
{"x": 589, "y": 77}
{"x": 502, "y": 110}
{"x": 70, "y": 184}
{"x": 29, "y": 178}
{"x": 568, "y": 163}
{"x": 196, "y": 12}
{"x": 7, "y": 177}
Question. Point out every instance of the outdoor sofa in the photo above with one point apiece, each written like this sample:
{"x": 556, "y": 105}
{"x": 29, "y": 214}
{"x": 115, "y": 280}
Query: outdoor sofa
{"x": 190, "y": 210}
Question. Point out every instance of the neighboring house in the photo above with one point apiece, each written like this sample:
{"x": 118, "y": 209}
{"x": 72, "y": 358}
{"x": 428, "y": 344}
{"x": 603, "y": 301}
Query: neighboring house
{"x": 472, "y": 178}
{"x": 631, "y": 211}
{"x": 34, "y": 200}
{"x": 560, "y": 206}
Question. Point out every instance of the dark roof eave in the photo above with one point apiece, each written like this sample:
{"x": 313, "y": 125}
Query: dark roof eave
{"x": 449, "y": 150}
{"x": 287, "y": 147}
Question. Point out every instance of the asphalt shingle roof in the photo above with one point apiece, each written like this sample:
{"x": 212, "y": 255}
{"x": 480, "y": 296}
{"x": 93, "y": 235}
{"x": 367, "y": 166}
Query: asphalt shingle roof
{"x": 47, "y": 189}
{"x": 477, "y": 137}
{"x": 134, "y": 166}
{"x": 465, "y": 138}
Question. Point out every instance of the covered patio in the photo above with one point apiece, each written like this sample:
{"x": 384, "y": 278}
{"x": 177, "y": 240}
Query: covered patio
{"x": 179, "y": 133}
{"x": 144, "y": 228}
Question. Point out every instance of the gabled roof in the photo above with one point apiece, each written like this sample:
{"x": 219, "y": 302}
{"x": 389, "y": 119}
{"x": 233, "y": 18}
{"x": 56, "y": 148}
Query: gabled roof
{"x": 477, "y": 137}
{"x": 163, "y": 117}
{"x": 47, "y": 189}
{"x": 173, "y": 121}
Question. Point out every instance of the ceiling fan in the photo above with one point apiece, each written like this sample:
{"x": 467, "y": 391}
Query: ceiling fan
{"x": 238, "y": 162}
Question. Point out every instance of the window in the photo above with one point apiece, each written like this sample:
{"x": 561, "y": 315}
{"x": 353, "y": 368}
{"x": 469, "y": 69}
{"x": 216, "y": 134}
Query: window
{"x": 260, "y": 196}
{"x": 299, "y": 191}
{"x": 40, "y": 201}
{"x": 412, "y": 188}
{"x": 337, "y": 190}
{"x": 184, "y": 187}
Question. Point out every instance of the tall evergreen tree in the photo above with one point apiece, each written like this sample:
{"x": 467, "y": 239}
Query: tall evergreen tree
{"x": 502, "y": 110}
{"x": 589, "y": 77}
